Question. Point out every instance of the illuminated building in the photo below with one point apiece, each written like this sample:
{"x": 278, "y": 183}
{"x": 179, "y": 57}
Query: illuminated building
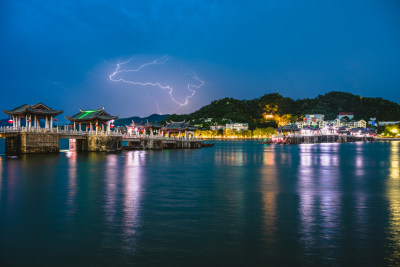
{"x": 32, "y": 115}
{"x": 237, "y": 126}
{"x": 90, "y": 118}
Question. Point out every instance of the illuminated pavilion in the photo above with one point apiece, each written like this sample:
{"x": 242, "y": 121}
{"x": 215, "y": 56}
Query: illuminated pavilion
{"x": 92, "y": 118}
{"x": 178, "y": 128}
{"x": 136, "y": 128}
{"x": 32, "y": 115}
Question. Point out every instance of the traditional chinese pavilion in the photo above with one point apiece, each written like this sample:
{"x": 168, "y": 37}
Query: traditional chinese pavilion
{"x": 178, "y": 128}
{"x": 92, "y": 120}
{"x": 32, "y": 115}
{"x": 136, "y": 128}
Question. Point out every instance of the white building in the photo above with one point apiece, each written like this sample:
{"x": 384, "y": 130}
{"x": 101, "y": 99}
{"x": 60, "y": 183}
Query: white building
{"x": 313, "y": 119}
{"x": 382, "y": 123}
{"x": 237, "y": 126}
{"x": 355, "y": 124}
{"x": 217, "y": 127}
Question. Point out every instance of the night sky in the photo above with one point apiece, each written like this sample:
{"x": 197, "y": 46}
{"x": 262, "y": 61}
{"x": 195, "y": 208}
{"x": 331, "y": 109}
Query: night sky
{"x": 62, "y": 53}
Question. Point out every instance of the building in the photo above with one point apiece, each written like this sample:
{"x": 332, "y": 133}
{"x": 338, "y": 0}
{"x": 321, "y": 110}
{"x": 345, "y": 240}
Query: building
{"x": 237, "y": 126}
{"x": 178, "y": 128}
{"x": 217, "y": 127}
{"x": 349, "y": 115}
{"x": 97, "y": 119}
{"x": 313, "y": 119}
{"x": 310, "y": 130}
{"x": 137, "y": 128}
{"x": 32, "y": 115}
{"x": 289, "y": 129}
{"x": 383, "y": 123}
{"x": 355, "y": 124}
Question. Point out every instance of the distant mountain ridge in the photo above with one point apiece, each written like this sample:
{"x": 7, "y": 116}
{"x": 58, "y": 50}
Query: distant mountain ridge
{"x": 152, "y": 118}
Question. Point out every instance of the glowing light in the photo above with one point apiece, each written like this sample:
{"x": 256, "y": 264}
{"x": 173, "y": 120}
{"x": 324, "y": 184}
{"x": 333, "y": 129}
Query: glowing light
{"x": 191, "y": 87}
{"x": 269, "y": 116}
{"x": 394, "y": 131}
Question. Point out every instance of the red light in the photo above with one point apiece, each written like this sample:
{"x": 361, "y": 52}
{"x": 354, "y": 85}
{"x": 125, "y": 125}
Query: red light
{"x": 112, "y": 125}
{"x": 55, "y": 119}
{"x": 10, "y": 121}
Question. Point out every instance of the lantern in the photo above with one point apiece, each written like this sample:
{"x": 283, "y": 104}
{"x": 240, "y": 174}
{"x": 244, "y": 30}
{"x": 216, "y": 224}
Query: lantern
{"x": 55, "y": 119}
{"x": 71, "y": 126}
{"x": 10, "y": 121}
{"x": 112, "y": 125}
{"x": 29, "y": 120}
{"x": 87, "y": 126}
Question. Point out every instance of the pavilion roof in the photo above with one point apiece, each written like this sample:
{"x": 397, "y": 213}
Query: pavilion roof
{"x": 148, "y": 124}
{"x": 180, "y": 125}
{"x": 92, "y": 115}
{"x": 37, "y": 109}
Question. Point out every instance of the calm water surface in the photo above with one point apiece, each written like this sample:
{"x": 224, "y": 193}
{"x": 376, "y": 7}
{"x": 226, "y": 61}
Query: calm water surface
{"x": 238, "y": 203}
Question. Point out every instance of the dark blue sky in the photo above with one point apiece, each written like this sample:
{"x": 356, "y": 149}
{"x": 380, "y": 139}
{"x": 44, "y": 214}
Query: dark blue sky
{"x": 63, "y": 52}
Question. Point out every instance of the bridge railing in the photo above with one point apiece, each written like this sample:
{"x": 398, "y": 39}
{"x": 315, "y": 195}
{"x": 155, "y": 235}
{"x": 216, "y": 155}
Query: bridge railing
{"x": 159, "y": 137}
{"x": 71, "y": 132}
{"x": 11, "y": 129}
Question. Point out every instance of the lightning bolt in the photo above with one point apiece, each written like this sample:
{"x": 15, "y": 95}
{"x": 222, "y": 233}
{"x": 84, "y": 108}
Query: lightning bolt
{"x": 191, "y": 87}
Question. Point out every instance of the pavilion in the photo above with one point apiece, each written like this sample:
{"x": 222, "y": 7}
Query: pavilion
{"x": 178, "y": 128}
{"x": 90, "y": 118}
{"x": 32, "y": 115}
{"x": 136, "y": 128}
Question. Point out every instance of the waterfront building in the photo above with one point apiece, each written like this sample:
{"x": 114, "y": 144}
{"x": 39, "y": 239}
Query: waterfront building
{"x": 310, "y": 130}
{"x": 97, "y": 119}
{"x": 237, "y": 126}
{"x": 32, "y": 115}
{"x": 289, "y": 129}
{"x": 178, "y": 128}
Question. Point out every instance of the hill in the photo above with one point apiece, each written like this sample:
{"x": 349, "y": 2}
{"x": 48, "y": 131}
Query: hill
{"x": 253, "y": 111}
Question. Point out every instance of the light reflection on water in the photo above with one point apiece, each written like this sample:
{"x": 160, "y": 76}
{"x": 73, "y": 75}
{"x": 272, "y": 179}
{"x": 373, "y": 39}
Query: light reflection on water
{"x": 393, "y": 196}
{"x": 270, "y": 191}
{"x": 132, "y": 193}
{"x": 319, "y": 205}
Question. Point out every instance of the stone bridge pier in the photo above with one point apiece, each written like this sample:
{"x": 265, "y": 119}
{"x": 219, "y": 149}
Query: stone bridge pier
{"x": 31, "y": 143}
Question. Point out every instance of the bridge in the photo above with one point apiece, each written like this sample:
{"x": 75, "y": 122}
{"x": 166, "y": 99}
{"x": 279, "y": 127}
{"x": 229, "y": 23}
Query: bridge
{"x": 25, "y": 140}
